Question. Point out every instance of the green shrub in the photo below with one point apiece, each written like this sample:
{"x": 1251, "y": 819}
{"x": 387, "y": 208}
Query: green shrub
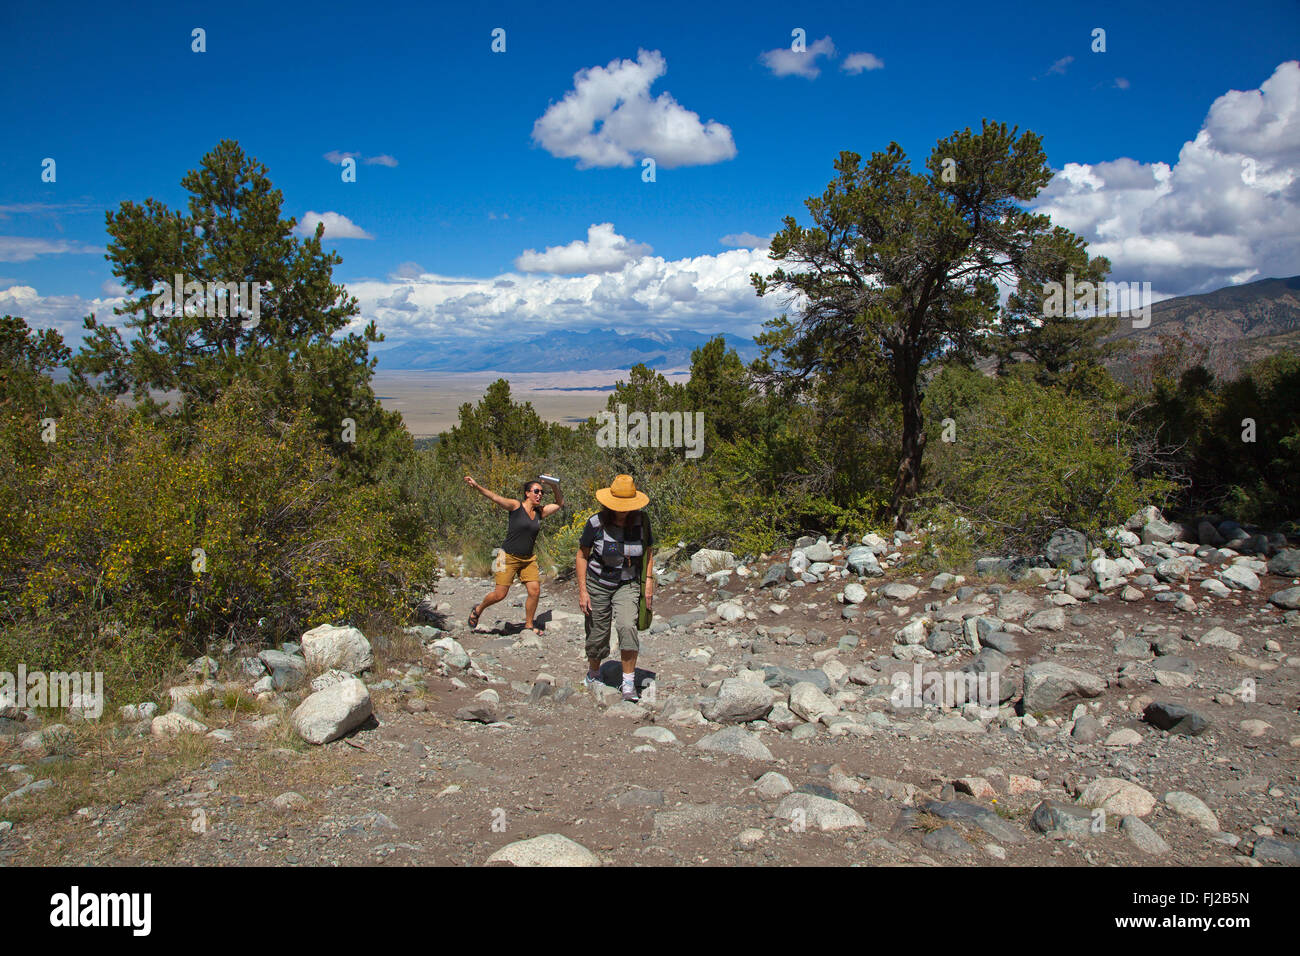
{"x": 1028, "y": 460}
{"x": 236, "y": 526}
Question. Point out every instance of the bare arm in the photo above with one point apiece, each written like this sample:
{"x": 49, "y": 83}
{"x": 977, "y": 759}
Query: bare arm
{"x": 584, "y": 600}
{"x": 510, "y": 504}
{"x": 556, "y": 505}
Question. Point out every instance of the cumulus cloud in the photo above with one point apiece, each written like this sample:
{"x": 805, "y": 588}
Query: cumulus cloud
{"x": 603, "y": 251}
{"x": 856, "y": 63}
{"x": 63, "y": 313}
{"x": 784, "y": 61}
{"x": 25, "y": 249}
{"x": 609, "y": 119}
{"x": 646, "y": 293}
{"x": 1224, "y": 213}
{"x": 746, "y": 240}
{"x": 337, "y": 226}
{"x": 413, "y": 305}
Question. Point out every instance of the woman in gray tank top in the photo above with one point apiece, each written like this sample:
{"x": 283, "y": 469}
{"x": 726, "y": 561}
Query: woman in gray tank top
{"x": 516, "y": 557}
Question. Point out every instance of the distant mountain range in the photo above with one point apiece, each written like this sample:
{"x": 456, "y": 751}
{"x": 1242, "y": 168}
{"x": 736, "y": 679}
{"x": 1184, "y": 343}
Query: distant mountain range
{"x": 558, "y": 351}
{"x": 1238, "y": 324}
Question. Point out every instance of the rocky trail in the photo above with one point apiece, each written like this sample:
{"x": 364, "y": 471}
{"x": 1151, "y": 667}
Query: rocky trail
{"x": 1137, "y": 710}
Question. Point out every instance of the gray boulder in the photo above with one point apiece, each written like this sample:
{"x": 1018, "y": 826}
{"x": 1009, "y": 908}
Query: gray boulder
{"x": 1288, "y": 599}
{"x": 330, "y": 713}
{"x": 1049, "y": 685}
{"x": 1286, "y": 563}
{"x": 739, "y": 702}
{"x": 337, "y": 648}
{"x": 1066, "y": 543}
{"x": 736, "y": 741}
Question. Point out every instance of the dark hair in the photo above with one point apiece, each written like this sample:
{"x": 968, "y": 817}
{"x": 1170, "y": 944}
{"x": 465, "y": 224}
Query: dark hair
{"x": 607, "y": 515}
{"x": 529, "y": 484}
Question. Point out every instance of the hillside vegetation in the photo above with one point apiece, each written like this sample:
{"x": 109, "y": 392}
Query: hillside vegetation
{"x": 279, "y": 494}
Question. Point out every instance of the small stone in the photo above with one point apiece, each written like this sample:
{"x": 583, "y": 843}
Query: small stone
{"x": 1192, "y": 808}
{"x": 772, "y": 786}
{"x": 809, "y": 810}
{"x": 1116, "y": 796}
{"x": 737, "y": 741}
{"x": 172, "y": 724}
{"x": 1143, "y": 837}
{"x": 1219, "y": 637}
{"x": 1124, "y": 737}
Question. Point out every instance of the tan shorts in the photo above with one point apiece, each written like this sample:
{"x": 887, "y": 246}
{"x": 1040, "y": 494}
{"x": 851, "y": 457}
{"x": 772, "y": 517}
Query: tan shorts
{"x": 507, "y": 566}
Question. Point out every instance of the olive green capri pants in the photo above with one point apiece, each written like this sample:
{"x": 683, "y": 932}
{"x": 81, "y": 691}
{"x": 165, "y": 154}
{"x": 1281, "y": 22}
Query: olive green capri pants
{"x": 616, "y": 606}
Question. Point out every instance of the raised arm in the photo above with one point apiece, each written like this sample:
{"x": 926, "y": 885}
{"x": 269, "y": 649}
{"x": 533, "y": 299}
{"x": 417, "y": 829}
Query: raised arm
{"x": 556, "y": 505}
{"x": 510, "y": 504}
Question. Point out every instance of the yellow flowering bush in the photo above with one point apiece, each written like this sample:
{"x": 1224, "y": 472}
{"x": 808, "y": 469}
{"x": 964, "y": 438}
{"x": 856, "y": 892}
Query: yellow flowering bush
{"x": 231, "y": 523}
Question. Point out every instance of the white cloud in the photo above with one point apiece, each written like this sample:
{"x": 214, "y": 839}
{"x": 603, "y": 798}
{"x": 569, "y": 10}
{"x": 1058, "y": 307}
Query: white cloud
{"x": 336, "y": 157}
{"x": 784, "y": 61}
{"x": 336, "y": 226}
{"x": 1227, "y": 208}
{"x": 603, "y": 251}
{"x": 857, "y": 62}
{"x": 746, "y": 240}
{"x": 646, "y": 293}
{"x": 1060, "y": 65}
{"x": 25, "y": 249}
{"x": 63, "y": 313}
{"x": 609, "y": 119}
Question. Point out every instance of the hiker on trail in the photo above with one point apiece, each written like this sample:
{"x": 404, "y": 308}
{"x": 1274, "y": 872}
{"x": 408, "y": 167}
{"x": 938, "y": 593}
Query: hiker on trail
{"x": 614, "y": 549}
{"x": 516, "y": 556}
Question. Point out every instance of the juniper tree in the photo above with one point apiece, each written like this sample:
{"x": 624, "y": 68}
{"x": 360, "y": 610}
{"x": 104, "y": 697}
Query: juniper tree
{"x": 233, "y": 233}
{"x": 904, "y": 268}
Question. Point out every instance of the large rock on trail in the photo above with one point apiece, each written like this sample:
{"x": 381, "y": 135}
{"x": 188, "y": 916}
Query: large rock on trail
{"x": 706, "y": 561}
{"x": 806, "y": 809}
{"x": 337, "y": 648}
{"x": 1066, "y": 544}
{"x": 736, "y": 741}
{"x": 1048, "y": 685}
{"x": 549, "y": 849}
{"x": 330, "y": 713}
{"x": 739, "y": 701}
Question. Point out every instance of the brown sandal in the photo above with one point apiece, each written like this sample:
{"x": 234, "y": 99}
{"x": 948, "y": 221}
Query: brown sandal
{"x": 474, "y": 615}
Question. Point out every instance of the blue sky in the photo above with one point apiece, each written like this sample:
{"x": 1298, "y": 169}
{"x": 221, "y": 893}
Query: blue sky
{"x": 464, "y": 186}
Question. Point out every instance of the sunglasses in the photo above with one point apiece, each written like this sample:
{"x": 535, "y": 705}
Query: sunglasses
{"x": 536, "y": 491}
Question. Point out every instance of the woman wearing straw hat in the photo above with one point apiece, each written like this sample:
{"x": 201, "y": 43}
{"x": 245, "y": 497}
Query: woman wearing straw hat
{"x": 614, "y": 547}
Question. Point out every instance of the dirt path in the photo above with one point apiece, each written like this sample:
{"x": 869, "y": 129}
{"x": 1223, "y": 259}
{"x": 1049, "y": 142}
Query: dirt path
{"x": 419, "y": 786}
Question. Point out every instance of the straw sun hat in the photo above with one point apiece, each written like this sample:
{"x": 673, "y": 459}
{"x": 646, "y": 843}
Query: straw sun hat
{"x": 622, "y": 495}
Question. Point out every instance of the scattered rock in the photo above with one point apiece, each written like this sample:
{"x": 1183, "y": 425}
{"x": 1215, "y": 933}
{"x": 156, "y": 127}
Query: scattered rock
{"x": 735, "y": 740}
{"x": 330, "y": 713}
{"x": 1048, "y": 685}
{"x": 1175, "y": 718}
{"x": 1143, "y": 837}
{"x": 550, "y": 849}
{"x": 824, "y": 814}
{"x": 1116, "y": 796}
{"x": 1192, "y": 808}
{"x": 337, "y": 648}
